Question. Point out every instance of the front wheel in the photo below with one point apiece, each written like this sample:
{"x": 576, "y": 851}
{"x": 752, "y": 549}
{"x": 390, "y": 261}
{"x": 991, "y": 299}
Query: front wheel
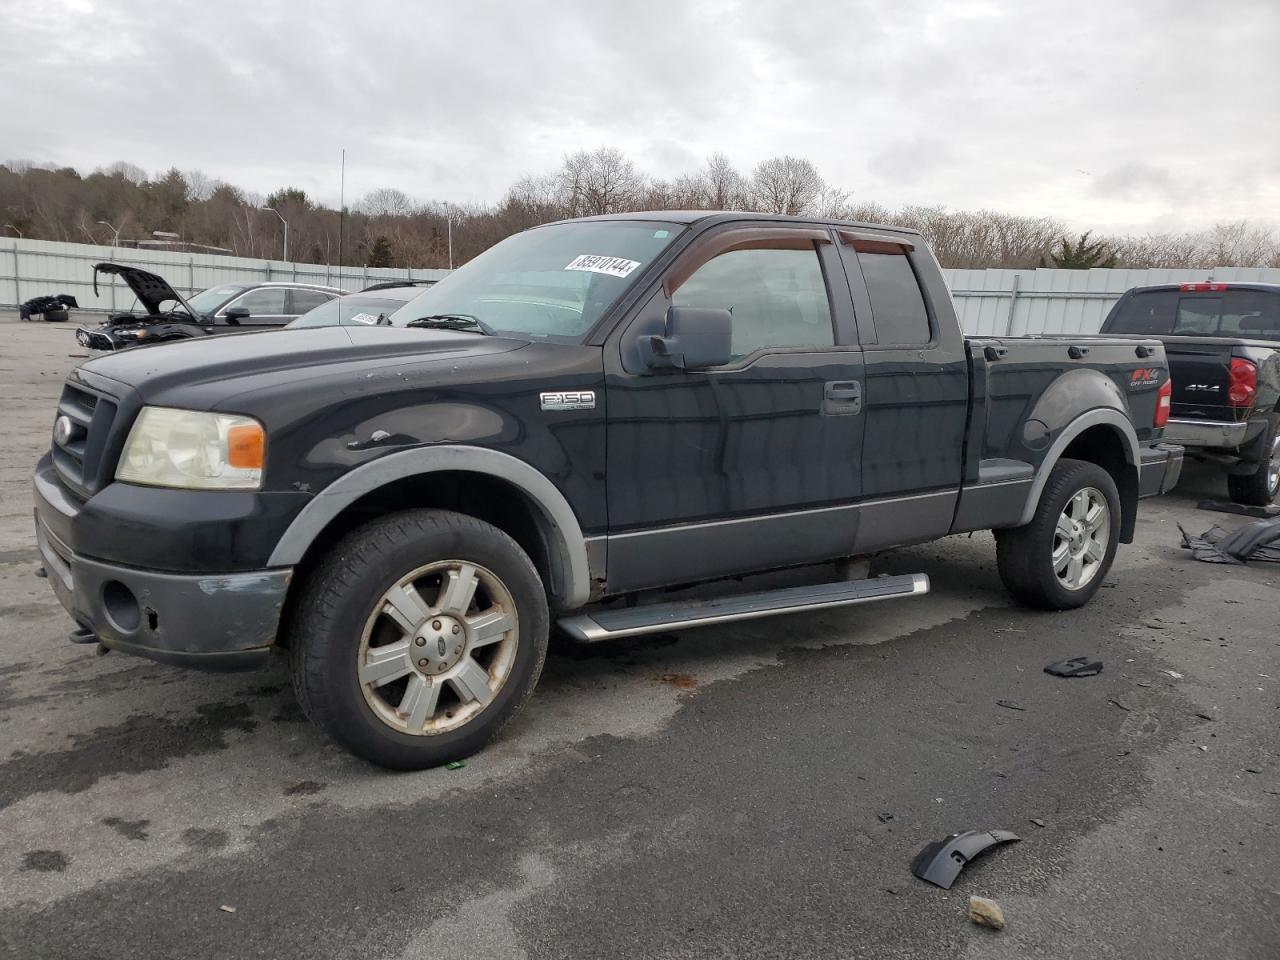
{"x": 418, "y": 637}
{"x": 1059, "y": 559}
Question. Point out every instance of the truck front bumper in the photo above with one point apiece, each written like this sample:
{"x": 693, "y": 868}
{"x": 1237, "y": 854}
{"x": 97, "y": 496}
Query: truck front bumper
{"x": 213, "y": 621}
{"x": 1159, "y": 469}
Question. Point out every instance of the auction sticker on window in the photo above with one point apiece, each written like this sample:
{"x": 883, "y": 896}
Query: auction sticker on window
{"x": 613, "y": 266}
{"x": 368, "y": 318}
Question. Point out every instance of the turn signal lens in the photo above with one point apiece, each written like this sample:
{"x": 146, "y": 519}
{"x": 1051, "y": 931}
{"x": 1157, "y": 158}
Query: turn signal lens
{"x": 245, "y": 444}
{"x": 1164, "y": 403}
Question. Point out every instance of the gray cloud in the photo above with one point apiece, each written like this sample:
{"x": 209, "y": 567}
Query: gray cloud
{"x": 979, "y": 103}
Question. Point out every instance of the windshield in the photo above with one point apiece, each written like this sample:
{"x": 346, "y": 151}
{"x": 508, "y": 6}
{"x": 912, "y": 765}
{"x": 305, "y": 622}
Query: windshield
{"x": 554, "y": 281}
{"x": 355, "y": 310}
{"x": 207, "y": 301}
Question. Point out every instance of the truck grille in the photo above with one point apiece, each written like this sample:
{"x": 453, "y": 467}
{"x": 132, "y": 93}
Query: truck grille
{"x": 78, "y": 452}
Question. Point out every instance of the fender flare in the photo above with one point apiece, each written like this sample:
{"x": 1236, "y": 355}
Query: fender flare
{"x": 1108, "y": 416}
{"x": 560, "y": 522}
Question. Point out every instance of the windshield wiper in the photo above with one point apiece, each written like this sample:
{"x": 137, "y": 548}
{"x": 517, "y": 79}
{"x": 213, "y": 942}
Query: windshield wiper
{"x": 453, "y": 321}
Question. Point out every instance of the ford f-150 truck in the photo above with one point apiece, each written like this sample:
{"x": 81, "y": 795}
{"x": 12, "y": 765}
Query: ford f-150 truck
{"x": 1223, "y": 347}
{"x": 588, "y": 413}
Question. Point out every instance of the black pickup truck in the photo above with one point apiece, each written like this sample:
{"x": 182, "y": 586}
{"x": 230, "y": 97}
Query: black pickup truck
{"x": 1223, "y": 346}
{"x": 588, "y": 413}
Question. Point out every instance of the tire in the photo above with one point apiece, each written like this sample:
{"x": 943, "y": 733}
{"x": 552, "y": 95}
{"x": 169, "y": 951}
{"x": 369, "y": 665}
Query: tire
{"x": 1029, "y": 557}
{"x": 417, "y": 637}
{"x": 1259, "y": 488}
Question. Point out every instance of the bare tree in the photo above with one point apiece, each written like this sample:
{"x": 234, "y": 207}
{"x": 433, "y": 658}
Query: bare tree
{"x": 599, "y": 182}
{"x": 786, "y": 184}
{"x": 127, "y": 171}
{"x": 725, "y": 187}
{"x": 386, "y": 202}
{"x": 200, "y": 185}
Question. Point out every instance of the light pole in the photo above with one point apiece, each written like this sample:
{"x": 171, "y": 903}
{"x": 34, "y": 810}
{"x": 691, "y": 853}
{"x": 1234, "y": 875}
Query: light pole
{"x": 10, "y": 226}
{"x": 286, "y": 231}
{"x": 115, "y": 234}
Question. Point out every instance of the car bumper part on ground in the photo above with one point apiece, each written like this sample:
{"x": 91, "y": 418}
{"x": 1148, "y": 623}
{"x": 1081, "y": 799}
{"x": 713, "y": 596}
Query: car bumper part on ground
{"x": 1206, "y": 433}
{"x": 210, "y": 621}
{"x": 1159, "y": 469}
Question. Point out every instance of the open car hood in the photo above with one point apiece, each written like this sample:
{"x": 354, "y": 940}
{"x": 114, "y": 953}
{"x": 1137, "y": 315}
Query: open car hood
{"x": 151, "y": 289}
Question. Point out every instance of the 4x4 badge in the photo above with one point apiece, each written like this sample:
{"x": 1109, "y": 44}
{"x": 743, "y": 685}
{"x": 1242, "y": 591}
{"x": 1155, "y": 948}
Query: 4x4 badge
{"x": 568, "y": 400}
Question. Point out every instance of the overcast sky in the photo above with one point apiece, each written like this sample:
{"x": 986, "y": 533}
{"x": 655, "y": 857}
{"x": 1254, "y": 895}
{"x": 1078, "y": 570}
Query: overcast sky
{"x": 1129, "y": 115}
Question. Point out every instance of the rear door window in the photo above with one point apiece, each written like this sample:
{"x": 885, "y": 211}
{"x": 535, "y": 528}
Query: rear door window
{"x": 303, "y": 300}
{"x": 897, "y": 305}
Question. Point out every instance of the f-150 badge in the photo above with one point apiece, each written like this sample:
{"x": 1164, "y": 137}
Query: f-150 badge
{"x": 568, "y": 400}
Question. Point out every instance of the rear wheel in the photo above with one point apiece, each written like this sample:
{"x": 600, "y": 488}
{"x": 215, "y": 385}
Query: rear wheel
{"x": 1260, "y": 487}
{"x": 1059, "y": 559}
{"x": 418, "y": 638}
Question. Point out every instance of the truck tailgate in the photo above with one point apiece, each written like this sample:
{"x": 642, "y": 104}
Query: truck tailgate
{"x": 1200, "y": 368}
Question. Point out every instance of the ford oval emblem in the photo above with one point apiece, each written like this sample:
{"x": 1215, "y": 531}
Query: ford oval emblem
{"x": 62, "y": 428}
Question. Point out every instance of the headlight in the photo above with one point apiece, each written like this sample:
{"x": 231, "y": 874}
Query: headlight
{"x": 187, "y": 448}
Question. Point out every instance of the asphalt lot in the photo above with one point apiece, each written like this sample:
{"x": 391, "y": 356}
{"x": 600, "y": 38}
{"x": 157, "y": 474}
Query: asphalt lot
{"x": 711, "y": 794}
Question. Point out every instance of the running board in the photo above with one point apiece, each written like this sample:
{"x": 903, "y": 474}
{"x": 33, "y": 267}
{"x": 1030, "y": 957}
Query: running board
{"x": 660, "y": 617}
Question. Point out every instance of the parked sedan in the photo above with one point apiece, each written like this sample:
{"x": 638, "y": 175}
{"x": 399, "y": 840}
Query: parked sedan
{"x": 370, "y": 307}
{"x": 167, "y": 315}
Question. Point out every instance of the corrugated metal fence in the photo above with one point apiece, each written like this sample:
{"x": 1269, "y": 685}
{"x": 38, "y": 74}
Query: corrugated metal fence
{"x": 989, "y": 302}
{"x": 1019, "y": 302}
{"x": 32, "y": 268}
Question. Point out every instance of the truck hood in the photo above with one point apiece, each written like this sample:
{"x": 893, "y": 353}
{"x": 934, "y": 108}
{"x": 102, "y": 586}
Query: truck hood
{"x": 151, "y": 289}
{"x": 202, "y": 372}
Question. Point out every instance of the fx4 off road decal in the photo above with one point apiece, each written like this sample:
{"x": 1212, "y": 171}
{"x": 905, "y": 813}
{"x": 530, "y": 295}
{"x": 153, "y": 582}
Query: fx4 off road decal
{"x": 1144, "y": 377}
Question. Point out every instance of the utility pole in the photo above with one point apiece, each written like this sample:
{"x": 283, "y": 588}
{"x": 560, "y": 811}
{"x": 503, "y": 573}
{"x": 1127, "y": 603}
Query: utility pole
{"x": 448, "y": 211}
{"x": 286, "y": 230}
{"x": 342, "y": 204}
{"x": 115, "y": 234}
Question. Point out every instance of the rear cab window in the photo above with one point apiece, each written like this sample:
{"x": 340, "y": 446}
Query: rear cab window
{"x": 1218, "y": 313}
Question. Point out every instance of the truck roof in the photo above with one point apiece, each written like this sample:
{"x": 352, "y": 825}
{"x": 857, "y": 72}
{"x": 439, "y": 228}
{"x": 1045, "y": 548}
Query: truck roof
{"x": 1210, "y": 286}
{"x": 728, "y": 216}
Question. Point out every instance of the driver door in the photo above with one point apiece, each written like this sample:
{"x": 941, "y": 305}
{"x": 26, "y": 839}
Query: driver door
{"x": 753, "y": 464}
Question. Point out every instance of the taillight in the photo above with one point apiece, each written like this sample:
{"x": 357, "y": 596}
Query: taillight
{"x": 1201, "y": 287}
{"x": 1164, "y": 403}
{"x": 1244, "y": 382}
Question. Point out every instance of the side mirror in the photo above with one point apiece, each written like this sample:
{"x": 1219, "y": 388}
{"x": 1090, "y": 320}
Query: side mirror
{"x": 696, "y": 337}
{"x": 235, "y": 314}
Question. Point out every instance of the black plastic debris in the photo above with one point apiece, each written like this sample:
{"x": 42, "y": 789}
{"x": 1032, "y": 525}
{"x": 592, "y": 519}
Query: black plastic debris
{"x": 1259, "y": 540}
{"x": 49, "y": 309}
{"x": 1075, "y": 667}
{"x": 940, "y": 862}
{"x": 1244, "y": 510}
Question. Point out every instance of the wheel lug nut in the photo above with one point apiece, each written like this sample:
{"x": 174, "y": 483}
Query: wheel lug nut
{"x": 456, "y": 628}
{"x": 435, "y": 624}
{"x": 423, "y": 662}
{"x": 420, "y": 642}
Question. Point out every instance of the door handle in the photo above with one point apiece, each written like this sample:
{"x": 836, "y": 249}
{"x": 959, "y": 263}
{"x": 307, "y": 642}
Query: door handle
{"x": 842, "y": 397}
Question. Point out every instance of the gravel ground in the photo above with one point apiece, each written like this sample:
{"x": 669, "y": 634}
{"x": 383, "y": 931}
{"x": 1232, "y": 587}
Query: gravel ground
{"x": 754, "y": 790}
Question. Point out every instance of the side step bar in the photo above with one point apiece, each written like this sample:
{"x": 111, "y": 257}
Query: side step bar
{"x": 660, "y": 617}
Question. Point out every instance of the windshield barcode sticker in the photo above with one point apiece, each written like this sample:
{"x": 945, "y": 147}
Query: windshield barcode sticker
{"x": 613, "y": 266}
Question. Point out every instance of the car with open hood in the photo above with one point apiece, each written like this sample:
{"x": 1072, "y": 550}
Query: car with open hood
{"x": 166, "y": 315}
